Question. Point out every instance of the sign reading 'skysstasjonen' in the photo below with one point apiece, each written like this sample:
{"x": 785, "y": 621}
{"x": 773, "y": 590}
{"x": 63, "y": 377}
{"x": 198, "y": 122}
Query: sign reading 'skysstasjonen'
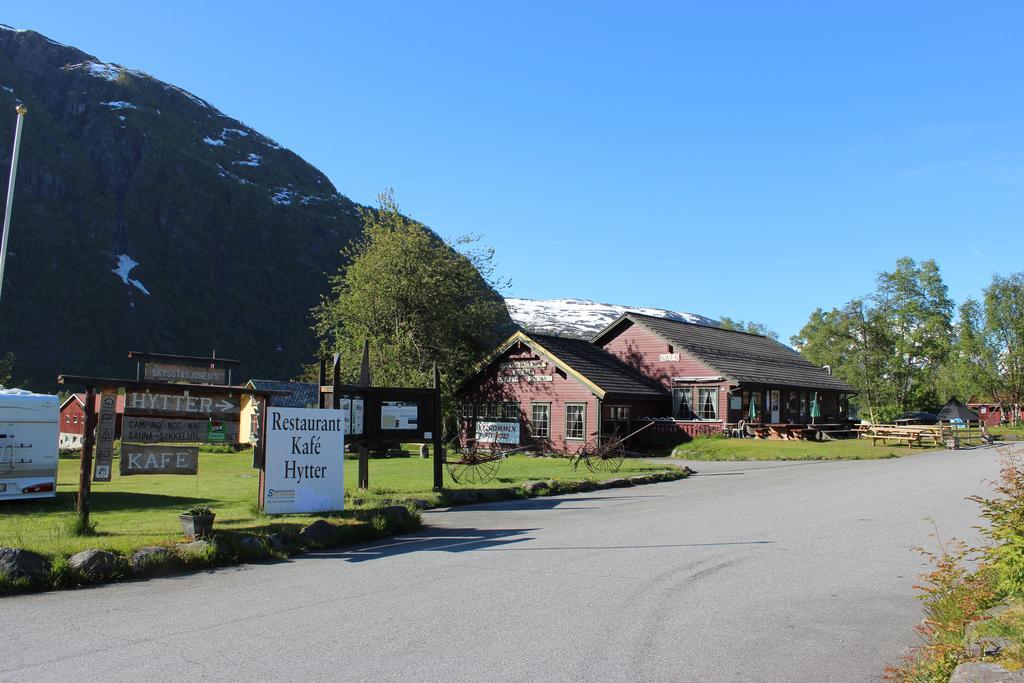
{"x": 304, "y": 469}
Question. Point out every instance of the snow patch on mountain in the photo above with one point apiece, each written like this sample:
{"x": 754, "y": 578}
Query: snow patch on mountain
{"x": 125, "y": 265}
{"x": 213, "y": 143}
{"x": 253, "y": 160}
{"x": 119, "y": 105}
{"x": 581, "y": 318}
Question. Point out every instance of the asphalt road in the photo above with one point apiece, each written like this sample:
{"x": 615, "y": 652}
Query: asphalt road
{"x": 745, "y": 572}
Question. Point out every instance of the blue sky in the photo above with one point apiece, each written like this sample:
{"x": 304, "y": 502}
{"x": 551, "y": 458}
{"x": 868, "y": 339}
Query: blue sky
{"x": 748, "y": 159}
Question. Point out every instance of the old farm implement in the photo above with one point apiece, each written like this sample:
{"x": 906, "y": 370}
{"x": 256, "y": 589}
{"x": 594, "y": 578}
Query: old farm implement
{"x": 478, "y": 462}
{"x": 605, "y": 454}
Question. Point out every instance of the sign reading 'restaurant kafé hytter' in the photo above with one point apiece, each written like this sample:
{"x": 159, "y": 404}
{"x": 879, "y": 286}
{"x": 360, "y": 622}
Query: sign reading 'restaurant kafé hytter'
{"x": 304, "y": 467}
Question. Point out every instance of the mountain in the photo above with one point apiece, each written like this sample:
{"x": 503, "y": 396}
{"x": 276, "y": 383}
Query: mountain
{"x": 581, "y": 318}
{"x": 146, "y": 219}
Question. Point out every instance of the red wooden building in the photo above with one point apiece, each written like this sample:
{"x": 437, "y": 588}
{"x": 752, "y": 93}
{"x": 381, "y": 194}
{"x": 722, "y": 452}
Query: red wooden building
{"x": 557, "y": 393}
{"x": 992, "y": 413}
{"x": 72, "y": 419}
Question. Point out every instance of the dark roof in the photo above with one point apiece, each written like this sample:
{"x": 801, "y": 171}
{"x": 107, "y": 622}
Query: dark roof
{"x": 302, "y": 394}
{"x": 739, "y": 356}
{"x": 600, "y": 367}
{"x": 955, "y": 409}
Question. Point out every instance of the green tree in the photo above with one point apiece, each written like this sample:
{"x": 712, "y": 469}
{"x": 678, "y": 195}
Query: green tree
{"x": 914, "y": 306}
{"x": 889, "y": 344}
{"x": 1004, "y": 321}
{"x": 750, "y": 326}
{"x": 972, "y": 366}
{"x": 416, "y": 299}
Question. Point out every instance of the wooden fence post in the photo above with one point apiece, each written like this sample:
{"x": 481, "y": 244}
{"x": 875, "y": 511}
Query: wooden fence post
{"x": 438, "y": 447}
{"x": 364, "y": 452}
{"x": 85, "y": 466}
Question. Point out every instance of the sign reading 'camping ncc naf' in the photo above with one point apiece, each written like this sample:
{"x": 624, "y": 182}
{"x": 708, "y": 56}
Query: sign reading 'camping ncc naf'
{"x": 305, "y": 456}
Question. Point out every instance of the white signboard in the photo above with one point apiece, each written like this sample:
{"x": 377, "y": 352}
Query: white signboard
{"x": 498, "y": 432}
{"x": 669, "y": 357}
{"x": 304, "y": 461}
{"x": 398, "y": 415}
{"x": 353, "y": 409}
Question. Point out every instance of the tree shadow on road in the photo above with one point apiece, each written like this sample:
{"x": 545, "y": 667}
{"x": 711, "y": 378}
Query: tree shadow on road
{"x": 431, "y": 539}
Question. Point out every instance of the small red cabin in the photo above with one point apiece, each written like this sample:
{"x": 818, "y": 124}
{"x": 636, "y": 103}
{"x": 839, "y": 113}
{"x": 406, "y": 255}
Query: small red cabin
{"x": 72, "y": 419}
{"x": 557, "y": 393}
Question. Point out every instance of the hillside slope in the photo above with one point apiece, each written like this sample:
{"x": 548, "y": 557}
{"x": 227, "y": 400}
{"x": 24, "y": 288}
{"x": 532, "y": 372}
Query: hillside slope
{"x": 146, "y": 219}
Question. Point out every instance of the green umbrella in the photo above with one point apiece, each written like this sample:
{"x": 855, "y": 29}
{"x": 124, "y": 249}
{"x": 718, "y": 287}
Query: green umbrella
{"x": 753, "y": 409}
{"x": 815, "y": 409}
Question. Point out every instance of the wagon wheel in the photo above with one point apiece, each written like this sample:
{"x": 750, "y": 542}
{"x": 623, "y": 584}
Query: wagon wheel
{"x": 606, "y": 457}
{"x": 476, "y": 465}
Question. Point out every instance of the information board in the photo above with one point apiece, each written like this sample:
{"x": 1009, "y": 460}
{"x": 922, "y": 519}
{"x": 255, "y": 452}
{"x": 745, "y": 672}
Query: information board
{"x": 399, "y": 415}
{"x": 304, "y": 460}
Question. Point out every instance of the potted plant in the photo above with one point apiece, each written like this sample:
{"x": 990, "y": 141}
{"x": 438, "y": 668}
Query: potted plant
{"x": 197, "y": 521}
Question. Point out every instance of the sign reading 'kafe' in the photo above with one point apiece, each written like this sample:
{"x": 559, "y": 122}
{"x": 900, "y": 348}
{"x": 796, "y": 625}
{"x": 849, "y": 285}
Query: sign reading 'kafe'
{"x": 181, "y": 404}
{"x": 304, "y": 468}
{"x": 138, "y": 459}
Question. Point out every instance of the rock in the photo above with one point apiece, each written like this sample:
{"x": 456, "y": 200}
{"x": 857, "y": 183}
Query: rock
{"x": 151, "y": 560}
{"x": 250, "y": 544}
{"x": 320, "y": 533}
{"x": 194, "y": 547}
{"x": 277, "y": 542}
{"x": 96, "y": 564}
{"x": 459, "y": 497}
{"x": 985, "y": 672}
{"x": 639, "y": 479}
{"x": 16, "y": 563}
{"x": 586, "y": 485}
{"x": 419, "y": 504}
{"x": 533, "y": 488}
{"x": 397, "y": 516}
{"x": 424, "y": 451}
{"x": 616, "y": 483}
{"x": 358, "y": 501}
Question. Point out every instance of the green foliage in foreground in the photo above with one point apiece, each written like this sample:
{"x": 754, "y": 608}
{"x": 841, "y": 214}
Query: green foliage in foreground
{"x": 720, "y": 448}
{"x": 132, "y": 512}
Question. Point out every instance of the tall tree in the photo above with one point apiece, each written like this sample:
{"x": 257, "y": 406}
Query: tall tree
{"x": 915, "y": 307}
{"x": 416, "y": 299}
{"x": 972, "y": 366}
{"x": 6, "y": 368}
{"x": 750, "y": 326}
{"x": 1004, "y": 320}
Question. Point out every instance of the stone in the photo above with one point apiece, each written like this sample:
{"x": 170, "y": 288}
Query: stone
{"x": 419, "y": 504}
{"x": 985, "y": 672}
{"x": 16, "y": 563}
{"x": 459, "y": 497}
{"x": 250, "y": 544}
{"x": 424, "y": 451}
{"x": 320, "y": 533}
{"x": 96, "y": 564}
{"x": 639, "y": 479}
{"x": 397, "y": 515}
{"x": 616, "y": 483}
{"x": 533, "y": 488}
{"x": 277, "y": 542}
{"x": 586, "y": 485}
{"x": 151, "y": 560}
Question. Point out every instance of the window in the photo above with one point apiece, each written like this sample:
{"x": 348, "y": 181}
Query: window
{"x": 575, "y": 421}
{"x": 467, "y": 411}
{"x": 682, "y": 403}
{"x": 510, "y": 410}
{"x": 803, "y": 405}
{"x": 617, "y": 421}
{"x": 67, "y": 419}
{"x": 540, "y": 420}
{"x": 707, "y": 403}
{"x": 76, "y": 419}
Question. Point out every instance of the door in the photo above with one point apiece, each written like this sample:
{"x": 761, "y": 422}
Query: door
{"x": 774, "y": 404}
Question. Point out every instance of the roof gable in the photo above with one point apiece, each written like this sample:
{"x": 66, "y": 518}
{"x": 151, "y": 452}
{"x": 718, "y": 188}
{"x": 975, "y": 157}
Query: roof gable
{"x": 301, "y": 394}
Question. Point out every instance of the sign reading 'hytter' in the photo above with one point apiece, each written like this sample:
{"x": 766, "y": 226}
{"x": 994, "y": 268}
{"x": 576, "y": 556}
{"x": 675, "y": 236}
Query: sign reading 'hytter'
{"x": 304, "y": 469}
{"x": 181, "y": 404}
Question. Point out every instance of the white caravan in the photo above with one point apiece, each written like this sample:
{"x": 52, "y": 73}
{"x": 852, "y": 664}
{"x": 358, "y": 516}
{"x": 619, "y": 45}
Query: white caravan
{"x": 29, "y": 427}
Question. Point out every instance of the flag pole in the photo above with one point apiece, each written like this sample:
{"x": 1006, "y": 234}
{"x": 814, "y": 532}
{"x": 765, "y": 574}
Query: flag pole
{"x": 10, "y": 191}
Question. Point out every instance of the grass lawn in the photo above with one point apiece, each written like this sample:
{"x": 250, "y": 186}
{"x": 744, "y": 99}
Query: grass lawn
{"x": 1005, "y": 433}
{"x": 718, "y": 448}
{"x": 132, "y": 512}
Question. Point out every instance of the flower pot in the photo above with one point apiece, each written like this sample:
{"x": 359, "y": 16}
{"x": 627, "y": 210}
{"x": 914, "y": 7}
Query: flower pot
{"x": 197, "y": 526}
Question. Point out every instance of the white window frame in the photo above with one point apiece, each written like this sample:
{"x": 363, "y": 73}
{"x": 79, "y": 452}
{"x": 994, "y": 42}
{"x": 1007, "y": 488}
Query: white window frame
{"x": 546, "y": 405}
{"x": 677, "y": 394}
{"x": 583, "y": 428}
{"x": 714, "y": 403}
